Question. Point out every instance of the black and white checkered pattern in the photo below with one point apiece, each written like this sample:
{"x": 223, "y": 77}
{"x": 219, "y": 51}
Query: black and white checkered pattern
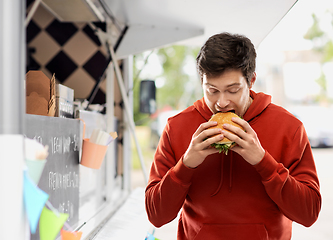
{"x": 70, "y": 50}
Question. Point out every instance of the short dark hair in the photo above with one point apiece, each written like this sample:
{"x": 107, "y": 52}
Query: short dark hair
{"x": 225, "y": 51}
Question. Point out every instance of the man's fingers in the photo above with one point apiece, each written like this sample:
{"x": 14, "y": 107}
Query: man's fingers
{"x": 212, "y": 140}
{"x": 204, "y": 126}
{"x": 233, "y": 137}
{"x": 235, "y": 132}
{"x": 242, "y": 123}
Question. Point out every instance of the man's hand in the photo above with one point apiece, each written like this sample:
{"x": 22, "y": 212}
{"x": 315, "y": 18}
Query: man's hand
{"x": 199, "y": 147}
{"x": 248, "y": 144}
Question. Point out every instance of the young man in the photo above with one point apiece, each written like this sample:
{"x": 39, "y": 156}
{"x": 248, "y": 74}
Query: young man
{"x": 264, "y": 183}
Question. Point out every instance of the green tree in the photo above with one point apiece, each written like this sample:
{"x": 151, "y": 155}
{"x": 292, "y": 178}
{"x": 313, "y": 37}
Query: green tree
{"x": 173, "y": 60}
{"x": 173, "y": 78}
{"x": 139, "y": 118}
{"x": 322, "y": 43}
{"x": 315, "y": 34}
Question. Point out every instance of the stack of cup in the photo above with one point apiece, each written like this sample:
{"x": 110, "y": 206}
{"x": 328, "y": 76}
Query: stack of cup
{"x": 94, "y": 149}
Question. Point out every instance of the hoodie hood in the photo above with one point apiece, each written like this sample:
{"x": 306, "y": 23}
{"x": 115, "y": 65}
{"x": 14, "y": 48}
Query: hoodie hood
{"x": 260, "y": 102}
{"x": 201, "y": 106}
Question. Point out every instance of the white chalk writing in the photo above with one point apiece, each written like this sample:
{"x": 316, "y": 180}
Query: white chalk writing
{"x": 63, "y": 181}
{"x": 66, "y": 144}
{"x": 67, "y": 208}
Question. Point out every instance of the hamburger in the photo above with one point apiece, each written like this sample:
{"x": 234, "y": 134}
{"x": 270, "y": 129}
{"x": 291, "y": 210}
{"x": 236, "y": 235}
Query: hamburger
{"x": 221, "y": 118}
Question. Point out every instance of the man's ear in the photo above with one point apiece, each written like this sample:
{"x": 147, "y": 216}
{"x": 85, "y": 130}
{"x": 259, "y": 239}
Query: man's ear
{"x": 253, "y": 79}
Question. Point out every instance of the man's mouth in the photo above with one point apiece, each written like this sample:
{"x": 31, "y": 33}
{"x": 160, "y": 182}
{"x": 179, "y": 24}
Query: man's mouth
{"x": 231, "y": 110}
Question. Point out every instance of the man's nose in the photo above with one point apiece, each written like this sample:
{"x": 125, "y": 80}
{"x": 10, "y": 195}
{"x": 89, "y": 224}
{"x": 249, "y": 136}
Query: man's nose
{"x": 223, "y": 101}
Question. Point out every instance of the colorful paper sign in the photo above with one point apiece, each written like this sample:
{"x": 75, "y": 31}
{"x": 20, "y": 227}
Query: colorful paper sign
{"x": 66, "y": 235}
{"x": 150, "y": 237}
{"x": 35, "y": 169}
{"x": 50, "y": 224}
{"x": 34, "y": 201}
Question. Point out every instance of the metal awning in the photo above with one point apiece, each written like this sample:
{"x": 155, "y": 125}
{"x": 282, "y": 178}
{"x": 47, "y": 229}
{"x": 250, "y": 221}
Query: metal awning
{"x": 156, "y": 23}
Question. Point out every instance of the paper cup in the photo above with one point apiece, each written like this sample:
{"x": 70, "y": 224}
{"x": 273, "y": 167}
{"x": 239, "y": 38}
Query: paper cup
{"x": 92, "y": 154}
{"x": 35, "y": 169}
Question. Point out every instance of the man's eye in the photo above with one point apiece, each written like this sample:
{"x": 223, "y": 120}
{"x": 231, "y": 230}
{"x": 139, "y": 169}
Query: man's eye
{"x": 233, "y": 90}
{"x": 212, "y": 90}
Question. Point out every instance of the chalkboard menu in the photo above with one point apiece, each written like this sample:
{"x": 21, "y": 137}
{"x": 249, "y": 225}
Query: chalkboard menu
{"x": 60, "y": 177}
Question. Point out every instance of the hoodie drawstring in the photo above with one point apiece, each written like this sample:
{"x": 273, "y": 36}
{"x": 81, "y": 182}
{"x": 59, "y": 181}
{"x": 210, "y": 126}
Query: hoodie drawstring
{"x": 230, "y": 174}
{"x": 221, "y": 175}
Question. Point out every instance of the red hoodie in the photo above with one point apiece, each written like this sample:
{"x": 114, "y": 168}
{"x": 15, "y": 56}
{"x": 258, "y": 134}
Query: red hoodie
{"x": 227, "y": 198}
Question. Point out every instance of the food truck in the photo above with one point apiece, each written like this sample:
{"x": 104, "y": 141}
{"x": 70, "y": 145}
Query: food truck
{"x": 83, "y": 49}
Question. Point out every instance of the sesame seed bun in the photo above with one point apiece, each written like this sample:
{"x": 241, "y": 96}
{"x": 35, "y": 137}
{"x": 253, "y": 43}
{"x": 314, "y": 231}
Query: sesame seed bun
{"x": 222, "y": 118}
